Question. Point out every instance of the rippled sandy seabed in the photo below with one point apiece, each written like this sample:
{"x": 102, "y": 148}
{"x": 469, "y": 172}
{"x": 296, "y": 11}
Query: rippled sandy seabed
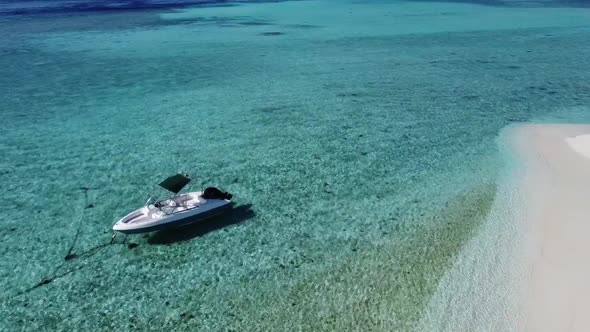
{"x": 359, "y": 138}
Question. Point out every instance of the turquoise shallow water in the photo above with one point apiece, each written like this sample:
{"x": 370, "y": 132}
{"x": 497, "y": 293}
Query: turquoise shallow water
{"x": 357, "y": 138}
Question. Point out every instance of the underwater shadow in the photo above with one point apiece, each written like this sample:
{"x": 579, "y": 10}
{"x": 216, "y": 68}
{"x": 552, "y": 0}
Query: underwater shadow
{"x": 233, "y": 216}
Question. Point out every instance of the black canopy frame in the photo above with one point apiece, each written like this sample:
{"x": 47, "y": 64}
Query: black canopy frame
{"x": 175, "y": 183}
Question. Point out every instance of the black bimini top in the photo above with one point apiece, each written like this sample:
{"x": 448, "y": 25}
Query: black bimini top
{"x": 175, "y": 183}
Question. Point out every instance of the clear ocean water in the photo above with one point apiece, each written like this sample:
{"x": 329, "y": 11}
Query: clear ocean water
{"x": 359, "y": 138}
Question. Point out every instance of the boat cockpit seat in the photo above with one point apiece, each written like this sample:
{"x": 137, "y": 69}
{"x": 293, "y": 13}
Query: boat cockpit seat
{"x": 182, "y": 200}
{"x": 198, "y": 201}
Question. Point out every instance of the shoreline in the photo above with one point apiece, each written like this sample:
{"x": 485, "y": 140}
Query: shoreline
{"x": 556, "y": 186}
{"x": 483, "y": 290}
{"x": 524, "y": 269}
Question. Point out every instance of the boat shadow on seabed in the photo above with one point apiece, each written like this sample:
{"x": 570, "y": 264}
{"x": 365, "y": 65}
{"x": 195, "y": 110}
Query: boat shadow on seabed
{"x": 235, "y": 215}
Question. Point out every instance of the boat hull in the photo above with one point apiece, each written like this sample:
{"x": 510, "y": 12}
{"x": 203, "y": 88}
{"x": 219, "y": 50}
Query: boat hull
{"x": 142, "y": 220}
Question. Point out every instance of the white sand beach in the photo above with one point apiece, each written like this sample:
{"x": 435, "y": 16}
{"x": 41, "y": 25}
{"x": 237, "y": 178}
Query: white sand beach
{"x": 527, "y": 268}
{"x": 557, "y": 183}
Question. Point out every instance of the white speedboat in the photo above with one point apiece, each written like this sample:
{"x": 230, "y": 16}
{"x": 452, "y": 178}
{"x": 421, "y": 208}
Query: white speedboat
{"x": 178, "y": 210}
